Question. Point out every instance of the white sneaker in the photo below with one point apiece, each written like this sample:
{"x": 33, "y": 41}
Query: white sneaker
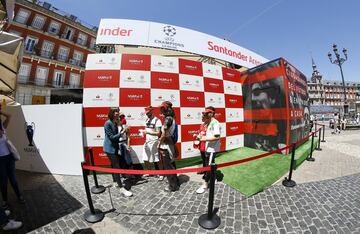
{"x": 202, "y": 189}
{"x": 125, "y": 192}
{"x": 115, "y": 184}
{"x": 160, "y": 178}
{"x": 12, "y": 225}
{"x": 7, "y": 212}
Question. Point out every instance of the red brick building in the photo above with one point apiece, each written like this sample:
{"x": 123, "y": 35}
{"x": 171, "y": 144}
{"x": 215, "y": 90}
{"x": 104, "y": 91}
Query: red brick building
{"x": 56, "y": 45}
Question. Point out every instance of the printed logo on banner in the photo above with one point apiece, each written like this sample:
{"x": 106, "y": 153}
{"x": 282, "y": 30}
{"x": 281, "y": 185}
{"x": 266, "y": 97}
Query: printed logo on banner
{"x": 190, "y": 67}
{"x": 135, "y": 116}
{"x": 214, "y": 99}
{"x": 223, "y": 130}
{"x": 231, "y": 87}
{"x": 94, "y": 136}
{"x": 220, "y": 114}
{"x": 192, "y": 99}
{"x": 164, "y": 64}
{"x": 234, "y": 114}
{"x": 191, "y": 115}
{"x": 233, "y": 101}
{"x": 233, "y": 129}
{"x": 213, "y": 85}
{"x": 191, "y": 83}
{"x": 100, "y": 157}
{"x": 134, "y": 97}
{"x": 162, "y": 80}
{"x": 165, "y": 36}
{"x": 135, "y": 62}
{"x": 212, "y": 71}
{"x": 103, "y": 62}
{"x": 188, "y": 151}
{"x": 95, "y": 116}
{"x": 136, "y": 138}
{"x": 231, "y": 75}
{"x": 188, "y": 131}
{"x": 134, "y": 79}
{"x": 160, "y": 95}
{"x": 233, "y": 142}
{"x": 101, "y": 79}
{"x": 100, "y": 97}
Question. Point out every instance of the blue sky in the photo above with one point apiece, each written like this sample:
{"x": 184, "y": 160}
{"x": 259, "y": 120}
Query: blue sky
{"x": 291, "y": 29}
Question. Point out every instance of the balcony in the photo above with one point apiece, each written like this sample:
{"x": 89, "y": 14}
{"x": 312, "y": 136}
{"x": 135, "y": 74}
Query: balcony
{"x": 62, "y": 58}
{"x": 41, "y": 82}
{"x": 80, "y": 41}
{"x": 46, "y": 53}
{"x": 22, "y": 79}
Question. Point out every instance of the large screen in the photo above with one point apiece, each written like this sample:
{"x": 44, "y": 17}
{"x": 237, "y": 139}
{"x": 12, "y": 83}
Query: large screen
{"x": 132, "y": 82}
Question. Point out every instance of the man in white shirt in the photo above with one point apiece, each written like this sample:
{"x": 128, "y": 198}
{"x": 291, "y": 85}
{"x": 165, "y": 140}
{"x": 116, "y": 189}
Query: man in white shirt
{"x": 212, "y": 139}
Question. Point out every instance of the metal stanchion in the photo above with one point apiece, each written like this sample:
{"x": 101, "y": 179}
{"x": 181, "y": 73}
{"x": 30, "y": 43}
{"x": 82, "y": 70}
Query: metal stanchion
{"x": 315, "y": 128}
{"x": 310, "y": 158}
{"x": 287, "y": 182}
{"x": 97, "y": 189}
{"x": 210, "y": 220}
{"x": 92, "y": 215}
{"x": 318, "y": 148}
{"x": 323, "y": 135}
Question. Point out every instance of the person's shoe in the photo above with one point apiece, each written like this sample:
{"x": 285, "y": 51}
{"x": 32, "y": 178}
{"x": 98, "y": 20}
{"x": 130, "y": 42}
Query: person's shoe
{"x": 125, "y": 192}
{"x": 12, "y": 225}
{"x": 7, "y": 212}
{"x": 167, "y": 189}
{"x": 21, "y": 200}
{"x": 160, "y": 178}
{"x": 115, "y": 184}
{"x": 202, "y": 189}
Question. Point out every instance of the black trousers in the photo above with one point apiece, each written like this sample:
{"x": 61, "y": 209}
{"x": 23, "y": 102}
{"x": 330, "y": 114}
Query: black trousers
{"x": 168, "y": 164}
{"x": 118, "y": 162}
{"x": 7, "y": 172}
{"x": 206, "y": 176}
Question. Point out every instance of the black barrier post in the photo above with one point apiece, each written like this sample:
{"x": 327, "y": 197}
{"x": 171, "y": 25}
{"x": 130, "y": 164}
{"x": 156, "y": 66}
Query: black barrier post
{"x": 97, "y": 189}
{"x": 210, "y": 220}
{"x": 310, "y": 158}
{"x": 318, "y": 148}
{"x": 315, "y": 128}
{"x": 323, "y": 138}
{"x": 92, "y": 215}
{"x": 287, "y": 182}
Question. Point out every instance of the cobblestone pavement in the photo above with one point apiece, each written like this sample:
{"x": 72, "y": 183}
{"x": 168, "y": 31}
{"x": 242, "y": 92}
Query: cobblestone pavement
{"x": 56, "y": 204}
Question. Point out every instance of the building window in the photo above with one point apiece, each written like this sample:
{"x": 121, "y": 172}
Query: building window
{"x": 24, "y": 73}
{"x": 22, "y": 16}
{"x": 68, "y": 33}
{"x": 74, "y": 80}
{"x": 30, "y": 43}
{"x": 58, "y": 79}
{"x": 63, "y": 53}
{"x": 41, "y": 76}
{"x": 77, "y": 58}
{"x": 81, "y": 39}
{"x": 92, "y": 43}
{"x": 47, "y": 49}
{"x": 38, "y": 22}
{"x": 54, "y": 27}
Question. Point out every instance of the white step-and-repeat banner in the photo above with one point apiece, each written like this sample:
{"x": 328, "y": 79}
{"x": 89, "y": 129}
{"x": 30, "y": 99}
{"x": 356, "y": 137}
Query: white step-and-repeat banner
{"x": 49, "y": 138}
{"x": 132, "y": 82}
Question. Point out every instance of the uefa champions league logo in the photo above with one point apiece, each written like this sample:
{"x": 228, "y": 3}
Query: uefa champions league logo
{"x": 169, "y": 31}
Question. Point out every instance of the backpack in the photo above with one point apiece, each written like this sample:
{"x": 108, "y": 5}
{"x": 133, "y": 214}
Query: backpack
{"x": 175, "y": 134}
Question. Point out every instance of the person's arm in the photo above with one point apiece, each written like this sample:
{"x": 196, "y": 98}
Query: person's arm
{"x": 109, "y": 132}
{"x": 7, "y": 119}
{"x": 214, "y": 137}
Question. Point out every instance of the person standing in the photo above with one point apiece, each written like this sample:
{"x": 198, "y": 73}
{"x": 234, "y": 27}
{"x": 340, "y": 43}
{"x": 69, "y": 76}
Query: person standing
{"x": 212, "y": 139}
{"x": 166, "y": 147}
{"x": 152, "y": 133}
{"x": 7, "y": 164}
{"x": 111, "y": 147}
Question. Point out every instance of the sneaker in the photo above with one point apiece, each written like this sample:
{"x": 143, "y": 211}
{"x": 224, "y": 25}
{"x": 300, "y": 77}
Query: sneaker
{"x": 7, "y": 212}
{"x": 115, "y": 184}
{"x": 12, "y": 225}
{"x": 167, "y": 189}
{"x": 125, "y": 192}
{"x": 160, "y": 178}
{"x": 202, "y": 189}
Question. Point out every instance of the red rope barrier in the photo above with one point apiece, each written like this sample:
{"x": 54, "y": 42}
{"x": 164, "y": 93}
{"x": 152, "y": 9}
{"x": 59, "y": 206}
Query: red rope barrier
{"x": 191, "y": 170}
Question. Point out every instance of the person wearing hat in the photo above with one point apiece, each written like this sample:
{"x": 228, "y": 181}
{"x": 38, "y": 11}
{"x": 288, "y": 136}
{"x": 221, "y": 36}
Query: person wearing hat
{"x": 124, "y": 143}
{"x": 212, "y": 140}
{"x": 166, "y": 147}
{"x": 152, "y": 133}
{"x": 111, "y": 147}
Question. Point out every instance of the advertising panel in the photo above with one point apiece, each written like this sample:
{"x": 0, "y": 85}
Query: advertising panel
{"x": 143, "y": 33}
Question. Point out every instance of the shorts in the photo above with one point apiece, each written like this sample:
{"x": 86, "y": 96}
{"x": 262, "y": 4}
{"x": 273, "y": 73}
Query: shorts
{"x": 150, "y": 151}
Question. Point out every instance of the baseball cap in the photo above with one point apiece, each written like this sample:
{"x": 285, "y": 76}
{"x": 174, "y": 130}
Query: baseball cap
{"x": 166, "y": 104}
{"x": 148, "y": 109}
{"x": 121, "y": 114}
{"x": 207, "y": 111}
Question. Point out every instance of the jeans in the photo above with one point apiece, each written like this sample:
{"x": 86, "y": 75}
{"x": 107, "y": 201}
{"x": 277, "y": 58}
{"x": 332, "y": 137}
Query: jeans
{"x": 7, "y": 172}
{"x": 206, "y": 176}
{"x": 169, "y": 165}
{"x": 118, "y": 162}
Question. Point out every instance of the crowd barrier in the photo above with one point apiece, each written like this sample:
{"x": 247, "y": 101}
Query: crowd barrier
{"x": 210, "y": 220}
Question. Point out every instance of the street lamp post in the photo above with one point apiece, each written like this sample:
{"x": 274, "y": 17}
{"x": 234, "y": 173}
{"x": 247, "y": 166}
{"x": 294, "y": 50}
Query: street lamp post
{"x": 339, "y": 61}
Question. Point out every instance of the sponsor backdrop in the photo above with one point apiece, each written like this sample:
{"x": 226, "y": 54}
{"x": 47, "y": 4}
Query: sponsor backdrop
{"x": 48, "y": 137}
{"x": 131, "y": 82}
{"x": 145, "y": 33}
{"x": 275, "y": 105}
